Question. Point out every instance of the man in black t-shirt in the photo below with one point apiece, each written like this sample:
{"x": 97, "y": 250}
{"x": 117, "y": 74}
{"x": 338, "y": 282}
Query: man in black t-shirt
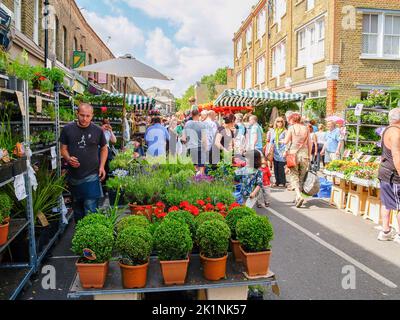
{"x": 84, "y": 147}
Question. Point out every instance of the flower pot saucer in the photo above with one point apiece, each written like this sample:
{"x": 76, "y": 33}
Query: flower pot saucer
{"x": 270, "y": 274}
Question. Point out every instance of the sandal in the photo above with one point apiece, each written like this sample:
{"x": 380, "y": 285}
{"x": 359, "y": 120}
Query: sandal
{"x": 299, "y": 202}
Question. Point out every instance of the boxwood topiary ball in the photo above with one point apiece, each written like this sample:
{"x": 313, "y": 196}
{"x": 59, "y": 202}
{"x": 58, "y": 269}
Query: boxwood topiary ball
{"x": 185, "y": 217}
{"x": 255, "y": 233}
{"x": 95, "y": 218}
{"x": 213, "y": 237}
{"x": 235, "y": 215}
{"x": 129, "y": 221}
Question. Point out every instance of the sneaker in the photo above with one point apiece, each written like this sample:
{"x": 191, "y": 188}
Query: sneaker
{"x": 388, "y": 237}
{"x": 397, "y": 238}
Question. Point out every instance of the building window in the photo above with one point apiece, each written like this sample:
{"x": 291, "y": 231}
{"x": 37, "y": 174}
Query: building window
{"x": 96, "y": 75}
{"x": 310, "y": 4}
{"x": 370, "y": 33}
{"x": 64, "y": 47}
{"x": 249, "y": 36}
{"x": 247, "y": 79}
{"x": 260, "y": 70}
{"x": 261, "y": 24}
{"x": 239, "y": 81}
{"x": 239, "y": 48}
{"x": 36, "y": 22}
{"x": 75, "y": 45}
{"x": 279, "y": 59}
{"x": 279, "y": 12}
{"x": 311, "y": 43}
{"x": 17, "y": 14}
{"x": 56, "y": 39}
{"x": 391, "y": 41}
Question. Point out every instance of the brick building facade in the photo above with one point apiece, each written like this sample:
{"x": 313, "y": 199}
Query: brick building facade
{"x": 68, "y": 31}
{"x": 338, "y": 49}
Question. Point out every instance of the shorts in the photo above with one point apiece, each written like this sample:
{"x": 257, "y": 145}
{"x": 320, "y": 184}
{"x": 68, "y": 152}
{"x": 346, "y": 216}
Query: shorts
{"x": 390, "y": 195}
{"x": 198, "y": 156}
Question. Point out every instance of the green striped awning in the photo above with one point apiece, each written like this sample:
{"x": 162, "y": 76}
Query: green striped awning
{"x": 254, "y": 98}
{"x": 140, "y": 103}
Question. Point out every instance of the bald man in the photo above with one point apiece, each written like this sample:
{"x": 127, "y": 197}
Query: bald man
{"x": 84, "y": 148}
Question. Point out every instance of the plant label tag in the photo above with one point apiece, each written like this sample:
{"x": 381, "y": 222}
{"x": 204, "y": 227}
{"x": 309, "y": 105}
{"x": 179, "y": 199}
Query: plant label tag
{"x": 53, "y": 163}
{"x": 89, "y": 255}
{"x": 366, "y": 159}
{"x": 53, "y": 152}
{"x": 250, "y": 203}
{"x": 358, "y": 110}
{"x": 19, "y": 187}
{"x": 39, "y": 103}
{"x": 378, "y": 160}
{"x": 42, "y": 219}
{"x": 21, "y": 102}
{"x": 358, "y": 155}
{"x": 347, "y": 154}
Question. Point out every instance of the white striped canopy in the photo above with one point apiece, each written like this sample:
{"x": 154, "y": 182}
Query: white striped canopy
{"x": 140, "y": 103}
{"x": 254, "y": 98}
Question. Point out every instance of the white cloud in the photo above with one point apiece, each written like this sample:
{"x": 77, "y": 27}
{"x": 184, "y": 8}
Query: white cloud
{"x": 161, "y": 49}
{"x": 124, "y": 35}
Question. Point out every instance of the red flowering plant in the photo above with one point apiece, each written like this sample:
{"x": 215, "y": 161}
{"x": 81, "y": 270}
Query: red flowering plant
{"x": 39, "y": 75}
{"x": 174, "y": 208}
{"x": 159, "y": 215}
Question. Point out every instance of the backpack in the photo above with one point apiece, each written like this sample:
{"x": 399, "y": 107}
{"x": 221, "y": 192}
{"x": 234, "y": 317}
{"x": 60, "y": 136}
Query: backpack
{"x": 311, "y": 183}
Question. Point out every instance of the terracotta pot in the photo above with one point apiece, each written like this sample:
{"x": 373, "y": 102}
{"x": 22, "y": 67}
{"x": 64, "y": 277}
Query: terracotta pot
{"x": 4, "y": 233}
{"x": 7, "y": 220}
{"x": 235, "y": 244}
{"x": 257, "y": 263}
{"x": 214, "y": 269}
{"x": 134, "y": 276}
{"x": 92, "y": 275}
{"x": 174, "y": 272}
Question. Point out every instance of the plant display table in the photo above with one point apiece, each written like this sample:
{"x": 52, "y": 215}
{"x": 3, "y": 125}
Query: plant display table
{"x": 227, "y": 289}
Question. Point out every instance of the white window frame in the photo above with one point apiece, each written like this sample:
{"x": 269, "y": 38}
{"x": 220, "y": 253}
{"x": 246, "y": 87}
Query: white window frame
{"x": 239, "y": 48}
{"x": 249, "y": 36}
{"x": 248, "y": 77}
{"x": 279, "y": 59}
{"x": 310, "y": 5}
{"x": 380, "y": 36}
{"x": 36, "y": 22}
{"x": 239, "y": 81}
{"x": 311, "y": 43}
{"x": 17, "y": 14}
{"x": 261, "y": 24}
{"x": 260, "y": 72}
{"x": 392, "y": 35}
{"x": 279, "y": 12}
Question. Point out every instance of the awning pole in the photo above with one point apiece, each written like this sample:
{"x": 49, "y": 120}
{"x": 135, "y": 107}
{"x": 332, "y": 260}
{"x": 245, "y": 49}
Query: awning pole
{"x": 124, "y": 111}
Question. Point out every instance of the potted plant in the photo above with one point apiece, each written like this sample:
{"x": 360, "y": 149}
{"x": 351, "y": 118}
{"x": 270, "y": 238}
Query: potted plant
{"x": 255, "y": 234}
{"x": 207, "y": 216}
{"x": 133, "y": 221}
{"x": 173, "y": 243}
{"x": 94, "y": 244}
{"x": 5, "y": 207}
{"x": 231, "y": 219}
{"x": 134, "y": 244}
{"x": 185, "y": 217}
{"x": 213, "y": 237}
{"x": 56, "y": 76}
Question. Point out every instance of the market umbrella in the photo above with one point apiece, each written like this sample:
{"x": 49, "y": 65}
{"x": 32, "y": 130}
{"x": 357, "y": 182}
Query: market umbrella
{"x": 125, "y": 67}
{"x": 336, "y": 119}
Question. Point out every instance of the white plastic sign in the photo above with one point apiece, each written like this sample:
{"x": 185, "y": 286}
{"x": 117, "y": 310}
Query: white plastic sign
{"x": 358, "y": 110}
{"x": 53, "y": 152}
{"x": 250, "y": 203}
{"x": 19, "y": 187}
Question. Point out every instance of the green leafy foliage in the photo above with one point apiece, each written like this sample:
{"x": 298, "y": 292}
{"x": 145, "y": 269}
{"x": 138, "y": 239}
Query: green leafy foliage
{"x": 207, "y": 216}
{"x": 134, "y": 244}
{"x": 255, "y": 233}
{"x": 213, "y": 237}
{"x": 235, "y": 215}
{"x": 97, "y": 238}
{"x": 315, "y": 108}
{"x": 95, "y": 218}
{"x": 6, "y": 204}
{"x": 173, "y": 240}
{"x": 133, "y": 221}
{"x": 183, "y": 103}
{"x": 185, "y": 217}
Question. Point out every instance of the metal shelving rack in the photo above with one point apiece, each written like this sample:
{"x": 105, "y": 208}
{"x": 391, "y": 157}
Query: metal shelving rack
{"x": 17, "y": 226}
{"x": 359, "y": 124}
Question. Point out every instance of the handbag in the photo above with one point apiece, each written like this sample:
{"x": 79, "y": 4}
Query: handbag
{"x": 312, "y": 184}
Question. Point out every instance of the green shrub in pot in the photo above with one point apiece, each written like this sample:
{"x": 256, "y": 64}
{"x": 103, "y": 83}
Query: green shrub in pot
{"x": 255, "y": 233}
{"x": 6, "y": 204}
{"x": 207, "y": 216}
{"x": 185, "y": 217}
{"x": 213, "y": 237}
{"x": 235, "y": 215}
{"x": 95, "y": 218}
{"x": 134, "y": 245}
{"x": 173, "y": 240}
{"x": 96, "y": 237}
{"x": 131, "y": 221}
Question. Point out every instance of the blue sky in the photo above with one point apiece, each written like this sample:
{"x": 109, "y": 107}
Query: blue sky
{"x": 182, "y": 39}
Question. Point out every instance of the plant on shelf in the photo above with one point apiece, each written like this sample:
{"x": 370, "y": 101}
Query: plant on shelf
{"x": 185, "y": 217}
{"x": 7, "y": 140}
{"x": 4, "y": 61}
{"x": 207, "y": 216}
{"x": 55, "y": 75}
{"x": 39, "y": 75}
{"x": 255, "y": 234}
{"x": 378, "y": 98}
{"x": 173, "y": 243}
{"x": 95, "y": 218}
{"x": 132, "y": 221}
{"x": 134, "y": 246}
{"x": 213, "y": 237}
{"x": 232, "y": 219}
{"x": 94, "y": 245}
{"x": 47, "y": 137}
{"x": 6, "y": 205}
